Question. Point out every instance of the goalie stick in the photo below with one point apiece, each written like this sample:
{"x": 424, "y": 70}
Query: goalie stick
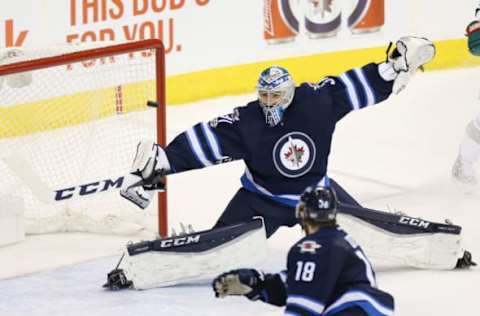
{"x": 24, "y": 171}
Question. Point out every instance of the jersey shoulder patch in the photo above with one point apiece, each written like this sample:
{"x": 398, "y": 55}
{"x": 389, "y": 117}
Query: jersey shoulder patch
{"x": 327, "y": 81}
{"x": 227, "y": 118}
{"x": 308, "y": 246}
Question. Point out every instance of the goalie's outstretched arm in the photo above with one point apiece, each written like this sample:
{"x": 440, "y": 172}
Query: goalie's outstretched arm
{"x": 371, "y": 84}
{"x": 208, "y": 143}
{"x": 203, "y": 145}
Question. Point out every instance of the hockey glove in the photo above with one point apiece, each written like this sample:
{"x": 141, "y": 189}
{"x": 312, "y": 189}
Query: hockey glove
{"x": 134, "y": 191}
{"x": 116, "y": 280}
{"x": 248, "y": 282}
{"x": 473, "y": 34}
{"x": 149, "y": 167}
{"x": 410, "y": 54}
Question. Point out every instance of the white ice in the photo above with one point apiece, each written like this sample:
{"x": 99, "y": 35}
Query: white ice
{"x": 397, "y": 154}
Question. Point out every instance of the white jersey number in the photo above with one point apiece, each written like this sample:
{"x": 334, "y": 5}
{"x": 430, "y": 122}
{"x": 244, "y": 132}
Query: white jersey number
{"x": 305, "y": 271}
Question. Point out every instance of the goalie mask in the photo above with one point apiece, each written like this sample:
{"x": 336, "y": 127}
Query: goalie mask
{"x": 318, "y": 204}
{"x": 275, "y": 90}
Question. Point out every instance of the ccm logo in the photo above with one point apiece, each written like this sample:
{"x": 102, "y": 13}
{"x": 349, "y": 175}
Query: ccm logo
{"x": 414, "y": 222}
{"x": 167, "y": 243}
{"x": 87, "y": 189}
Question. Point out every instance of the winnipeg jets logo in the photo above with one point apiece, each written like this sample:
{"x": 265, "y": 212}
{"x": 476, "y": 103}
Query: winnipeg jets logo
{"x": 294, "y": 154}
{"x": 309, "y": 246}
{"x": 323, "y": 17}
{"x": 322, "y": 6}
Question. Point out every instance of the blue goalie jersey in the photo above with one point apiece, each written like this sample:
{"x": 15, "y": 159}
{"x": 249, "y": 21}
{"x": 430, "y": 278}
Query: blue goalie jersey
{"x": 327, "y": 273}
{"x": 281, "y": 161}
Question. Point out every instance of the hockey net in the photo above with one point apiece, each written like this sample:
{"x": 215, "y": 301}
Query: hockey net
{"x": 70, "y": 119}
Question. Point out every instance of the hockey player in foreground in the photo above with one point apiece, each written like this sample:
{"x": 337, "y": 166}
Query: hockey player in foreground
{"x": 464, "y": 167}
{"x": 327, "y": 272}
{"x": 284, "y": 138}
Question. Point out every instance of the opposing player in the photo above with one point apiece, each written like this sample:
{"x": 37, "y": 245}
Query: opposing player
{"x": 464, "y": 167}
{"x": 327, "y": 272}
{"x": 284, "y": 138}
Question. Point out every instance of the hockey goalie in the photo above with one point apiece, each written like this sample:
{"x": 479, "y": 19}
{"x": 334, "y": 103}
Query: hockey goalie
{"x": 284, "y": 137}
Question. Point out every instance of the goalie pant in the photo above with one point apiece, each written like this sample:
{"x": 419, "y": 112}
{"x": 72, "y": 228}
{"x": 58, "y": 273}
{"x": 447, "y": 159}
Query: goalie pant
{"x": 327, "y": 274}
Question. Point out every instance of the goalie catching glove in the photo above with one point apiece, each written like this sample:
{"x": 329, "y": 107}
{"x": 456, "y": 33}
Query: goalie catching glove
{"x": 409, "y": 54}
{"x": 149, "y": 166}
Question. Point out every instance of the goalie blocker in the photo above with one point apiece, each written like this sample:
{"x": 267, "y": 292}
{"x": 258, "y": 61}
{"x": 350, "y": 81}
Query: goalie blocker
{"x": 189, "y": 258}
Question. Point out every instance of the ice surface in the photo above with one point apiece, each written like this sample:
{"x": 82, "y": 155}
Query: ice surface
{"x": 397, "y": 154}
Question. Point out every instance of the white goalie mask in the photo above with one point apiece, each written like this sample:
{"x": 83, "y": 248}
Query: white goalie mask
{"x": 275, "y": 90}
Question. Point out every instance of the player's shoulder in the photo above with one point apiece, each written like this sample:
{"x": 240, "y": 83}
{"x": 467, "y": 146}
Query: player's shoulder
{"x": 321, "y": 241}
{"x": 316, "y": 87}
{"x": 251, "y": 117}
{"x": 253, "y": 105}
{"x": 307, "y": 245}
{"x": 237, "y": 116}
{"x": 251, "y": 110}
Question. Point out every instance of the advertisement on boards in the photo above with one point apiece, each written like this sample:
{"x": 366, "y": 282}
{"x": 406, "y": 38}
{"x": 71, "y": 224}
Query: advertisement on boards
{"x": 204, "y": 34}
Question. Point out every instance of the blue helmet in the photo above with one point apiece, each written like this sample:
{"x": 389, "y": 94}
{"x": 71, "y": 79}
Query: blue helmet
{"x": 318, "y": 204}
{"x": 275, "y": 90}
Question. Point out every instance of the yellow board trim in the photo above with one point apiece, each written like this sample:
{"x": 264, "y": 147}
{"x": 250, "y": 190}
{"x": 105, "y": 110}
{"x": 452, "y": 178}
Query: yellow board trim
{"x": 71, "y": 110}
{"x": 23, "y": 119}
{"x": 241, "y": 79}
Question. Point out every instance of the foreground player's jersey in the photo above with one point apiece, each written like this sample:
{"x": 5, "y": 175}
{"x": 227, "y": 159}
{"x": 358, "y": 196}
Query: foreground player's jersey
{"x": 282, "y": 160}
{"x": 327, "y": 272}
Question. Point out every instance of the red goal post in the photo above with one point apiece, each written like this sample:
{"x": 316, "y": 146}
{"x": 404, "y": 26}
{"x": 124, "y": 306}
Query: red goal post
{"x": 16, "y": 72}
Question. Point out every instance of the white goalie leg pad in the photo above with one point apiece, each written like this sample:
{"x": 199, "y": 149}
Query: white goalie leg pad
{"x": 164, "y": 268}
{"x": 426, "y": 251}
{"x": 414, "y": 52}
{"x": 149, "y": 157}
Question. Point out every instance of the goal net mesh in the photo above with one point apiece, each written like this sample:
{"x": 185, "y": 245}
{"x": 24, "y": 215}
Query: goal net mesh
{"x": 68, "y": 134}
